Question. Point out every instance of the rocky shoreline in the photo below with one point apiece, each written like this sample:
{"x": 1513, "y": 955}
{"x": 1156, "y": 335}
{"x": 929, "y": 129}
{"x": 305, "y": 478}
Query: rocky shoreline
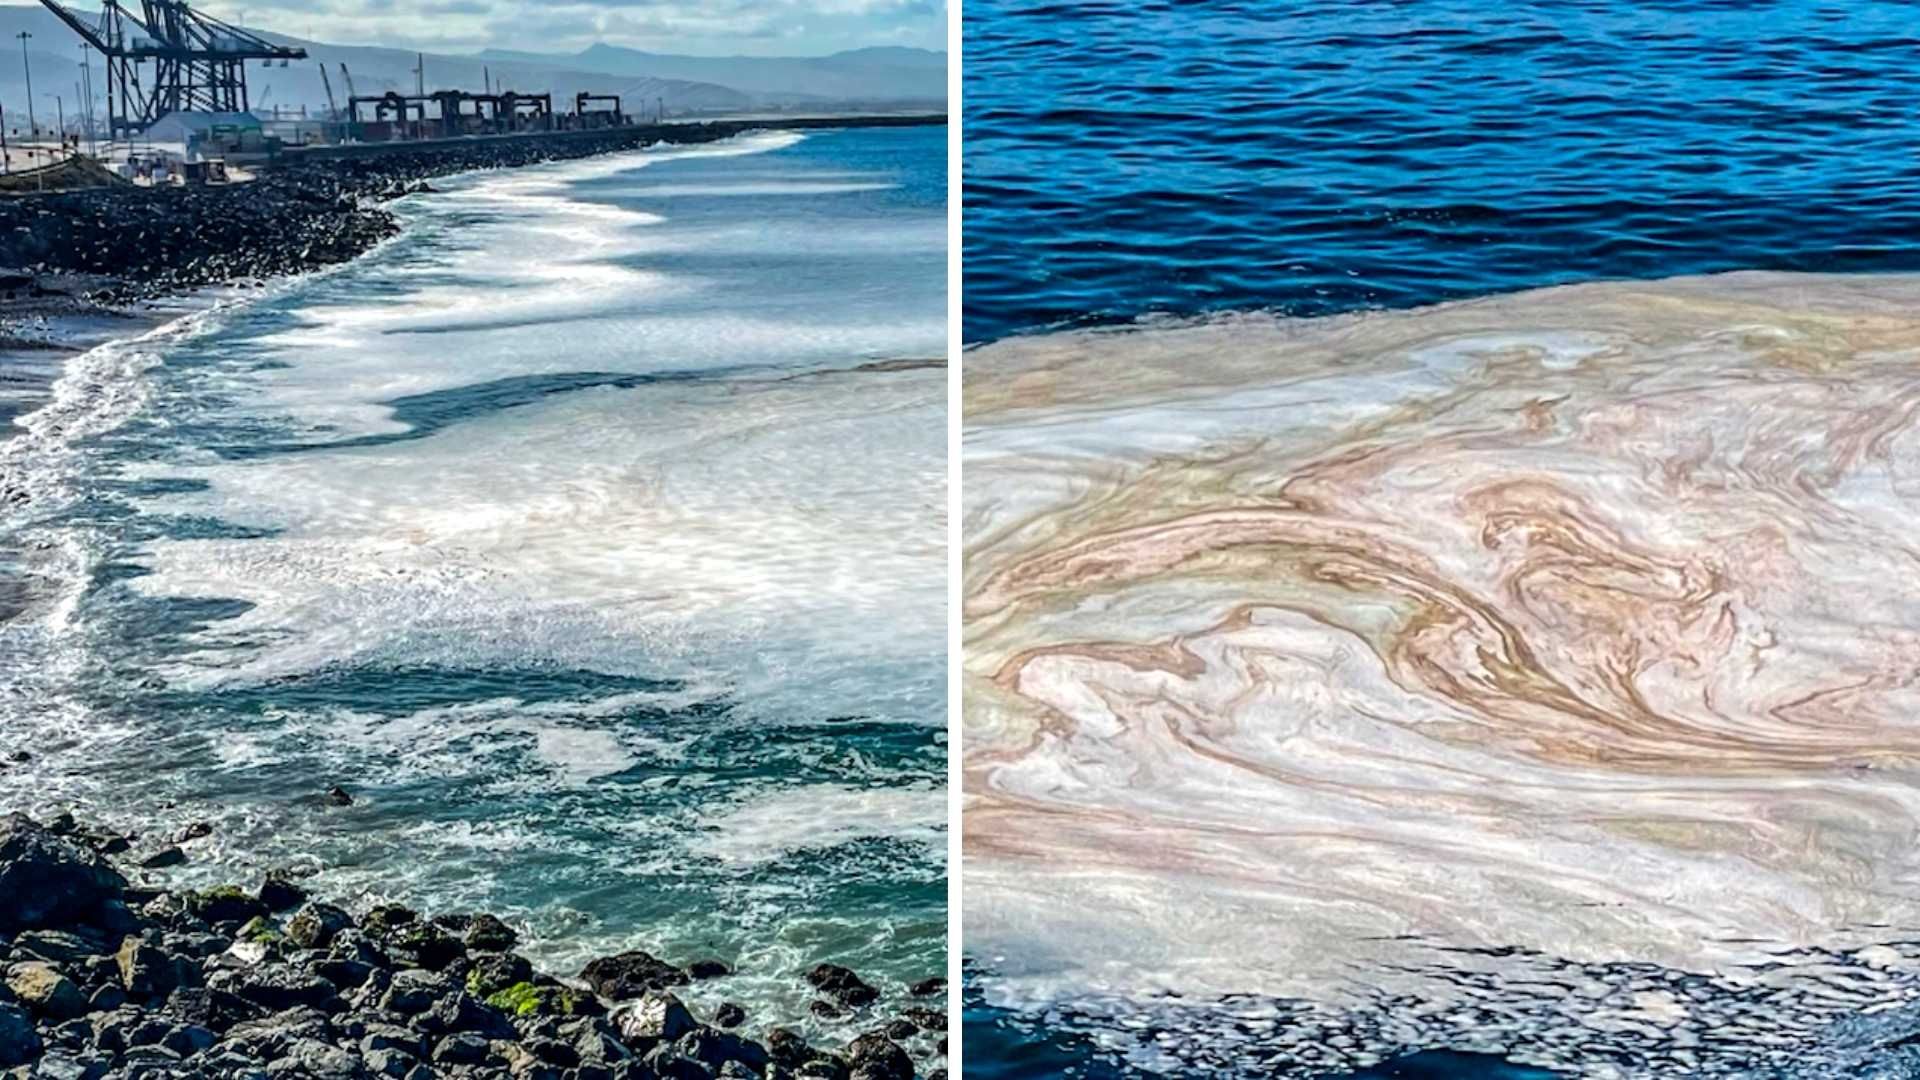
{"x": 108, "y": 980}
{"x": 109, "y": 247}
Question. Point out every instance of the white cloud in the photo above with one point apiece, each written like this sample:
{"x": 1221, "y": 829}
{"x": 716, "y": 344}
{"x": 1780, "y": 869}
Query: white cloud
{"x": 713, "y": 26}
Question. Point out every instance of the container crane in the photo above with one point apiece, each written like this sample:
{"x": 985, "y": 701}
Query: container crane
{"x": 169, "y": 58}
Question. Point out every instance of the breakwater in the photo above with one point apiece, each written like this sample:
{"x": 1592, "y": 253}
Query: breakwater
{"x": 311, "y": 209}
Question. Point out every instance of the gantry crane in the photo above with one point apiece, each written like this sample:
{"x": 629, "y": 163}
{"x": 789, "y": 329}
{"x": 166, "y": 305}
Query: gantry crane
{"x": 170, "y": 58}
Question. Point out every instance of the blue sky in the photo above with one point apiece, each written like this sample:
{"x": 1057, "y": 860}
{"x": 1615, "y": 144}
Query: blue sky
{"x": 706, "y": 27}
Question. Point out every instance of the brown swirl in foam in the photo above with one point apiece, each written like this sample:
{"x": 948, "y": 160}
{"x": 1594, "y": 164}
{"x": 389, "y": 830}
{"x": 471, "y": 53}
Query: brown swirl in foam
{"x": 1584, "y": 620}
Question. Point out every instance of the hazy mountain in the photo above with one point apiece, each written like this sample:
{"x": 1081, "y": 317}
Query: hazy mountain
{"x": 683, "y": 85}
{"x": 880, "y": 73}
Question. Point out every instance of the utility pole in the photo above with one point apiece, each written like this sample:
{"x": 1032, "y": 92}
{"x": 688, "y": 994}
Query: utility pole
{"x": 86, "y": 98}
{"x": 27, "y": 65}
{"x": 60, "y": 112}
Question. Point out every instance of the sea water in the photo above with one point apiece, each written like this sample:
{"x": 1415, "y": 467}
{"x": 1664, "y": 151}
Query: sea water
{"x": 1324, "y": 156}
{"x": 590, "y": 533}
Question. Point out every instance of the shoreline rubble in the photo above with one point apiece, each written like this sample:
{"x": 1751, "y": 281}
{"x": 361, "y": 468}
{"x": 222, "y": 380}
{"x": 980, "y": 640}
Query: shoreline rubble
{"x": 104, "y": 979}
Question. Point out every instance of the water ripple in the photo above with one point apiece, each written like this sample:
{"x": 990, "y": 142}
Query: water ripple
{"x": 1321, "y": 157}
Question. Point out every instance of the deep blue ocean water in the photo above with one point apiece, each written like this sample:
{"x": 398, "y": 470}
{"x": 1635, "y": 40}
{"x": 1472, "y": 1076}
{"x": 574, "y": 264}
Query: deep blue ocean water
{"x": 566, "y": 531}
{"x": 1130, "y": 158}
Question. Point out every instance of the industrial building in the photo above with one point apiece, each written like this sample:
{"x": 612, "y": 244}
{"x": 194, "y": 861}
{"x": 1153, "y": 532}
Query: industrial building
{"x": 177, "y": 85}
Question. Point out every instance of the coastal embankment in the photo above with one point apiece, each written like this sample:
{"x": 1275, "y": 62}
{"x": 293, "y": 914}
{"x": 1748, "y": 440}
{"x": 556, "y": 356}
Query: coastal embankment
{"x": 311, "y": 209}
{"x": 106, "y": 977}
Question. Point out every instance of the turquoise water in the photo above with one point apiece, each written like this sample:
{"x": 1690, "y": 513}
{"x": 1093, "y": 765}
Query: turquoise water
{"x": 571, "y": 531}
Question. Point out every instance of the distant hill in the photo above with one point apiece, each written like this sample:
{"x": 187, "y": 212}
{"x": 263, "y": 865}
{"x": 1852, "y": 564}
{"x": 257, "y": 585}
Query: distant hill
{"x": 683, "y": 85}
{"x": 880, "y": 73}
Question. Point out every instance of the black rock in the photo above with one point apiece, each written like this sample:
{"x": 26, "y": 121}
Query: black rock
{"x": 45, "y": 991}
{"x": 272, "y": 1037}
{"x": 316, "y": 925}
{"x": 152, "y": 967}
{"x": 213, "y": 1009}
{"x": 385, "y": 919}
{"x": 460, "y": 1049}
{"x": 276, "y": 987}
{"x": 842, "y": 985}
{"x": 49, "y": 882}
{"x": 708, "y": 969}
{"x": 195, "y": 831}
{"x": 665, "y": 1062}
{"x": 715, "y": 1049}
{"x": 729, "y": 1015}
{"x": 900, "y": 1030}
{"x": 187, "y": 1040}
{"x": 425, "y": 945}
{"x": 414, "y": 992}
{"x": 464, "y": 1013}
{"x": 336, "y": 796}
{"x": 68, "y": 947}
{"x": 395, "y": 1063}
{"x": 631, "y": 974}
{"x": 823, "y": 1068}
{"x": 873, "y": 1056}
{"x": 484, "y": 933}
{"x": 224, "y": 904}
{"x": 164, "y": 858}
{"x": 594, "y": 1040}
{"x": 381, "y": 1036}
{"x": 926, "y": 1019}
{"x": 280, "y": 893}
{"x": 788, "y": 1048}
{"x": 495, "y": 972}
{"x": 342, "y": 973}
{"x": 928, "y": 988}
{"x": 19, "y": 1042}
{"x": 316, "y": 1058}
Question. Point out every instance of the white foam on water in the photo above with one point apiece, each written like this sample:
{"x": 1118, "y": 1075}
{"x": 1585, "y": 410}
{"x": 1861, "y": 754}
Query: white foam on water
{"x": 45, "y": 472}
{"x": 763, "y": 189}
{"x": 517, "y": 273}
{"x": 1575, "y": 624}
{"x": 760, "y": 829}
{"x": 789, "y": 533}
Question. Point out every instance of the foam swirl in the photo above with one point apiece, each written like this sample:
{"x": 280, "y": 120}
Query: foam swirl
{"x": 1582, "y": 622}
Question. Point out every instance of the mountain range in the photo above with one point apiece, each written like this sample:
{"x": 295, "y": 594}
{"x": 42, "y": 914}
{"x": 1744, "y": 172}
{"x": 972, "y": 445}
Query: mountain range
{"x": 884, "y": 73}
{"x": 878, "y": 77}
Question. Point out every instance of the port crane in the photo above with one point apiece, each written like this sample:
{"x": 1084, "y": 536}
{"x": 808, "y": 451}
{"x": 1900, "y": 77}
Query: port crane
{"x": 165, "y": 57}
{"x": 333, "y": 107}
